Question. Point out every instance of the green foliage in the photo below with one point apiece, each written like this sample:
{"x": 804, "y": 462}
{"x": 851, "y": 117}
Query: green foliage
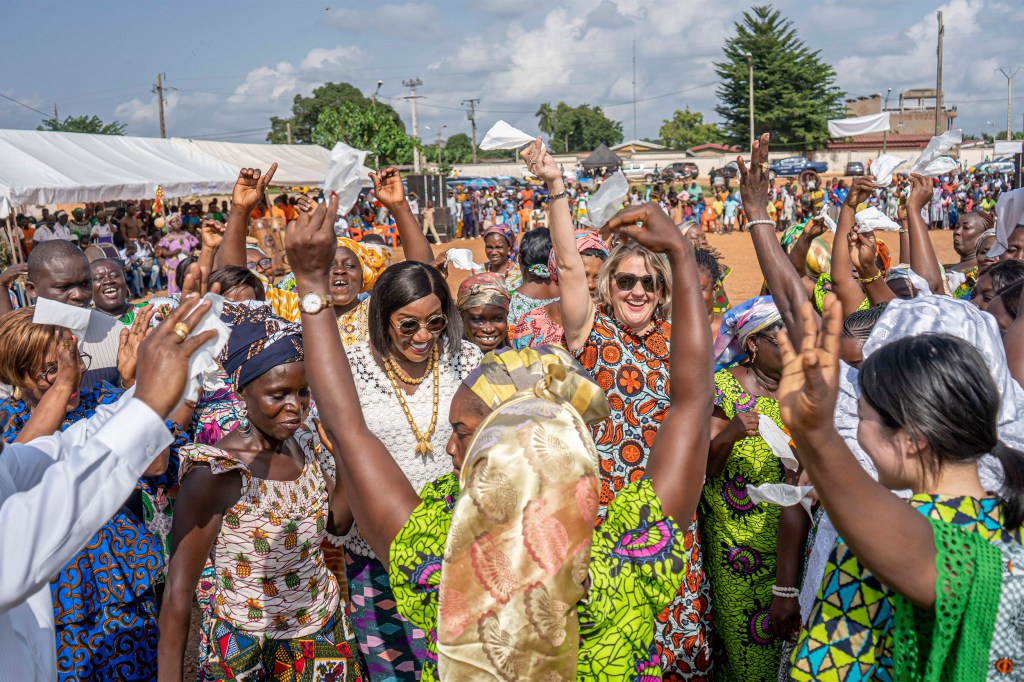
{"x": 458, "y": 149}
{"x": 368, "y": 128}
{"x": 577, "y": 129}
{"x": 794, "y": 90}
{"x": 82, "y": 124}
{"x": 306, "y": 111}
{"x": 687, "y": 129}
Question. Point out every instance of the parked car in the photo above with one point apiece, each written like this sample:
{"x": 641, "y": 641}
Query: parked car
{"x": 682, "y": 170}
{"x": 795, "y": 165}
{"x": 634, "y": 170}
{"x": 729, "y": 170}
{"x": 1002, "y": 164}
{"x": 855, "y": 168}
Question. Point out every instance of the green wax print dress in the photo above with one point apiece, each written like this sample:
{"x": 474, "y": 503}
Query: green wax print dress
{"x": 740, "y": 544}
{"x": 637, "y": 562}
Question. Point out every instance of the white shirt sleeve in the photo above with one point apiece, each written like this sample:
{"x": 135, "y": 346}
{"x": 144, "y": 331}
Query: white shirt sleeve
{"x": 92, "y": 471}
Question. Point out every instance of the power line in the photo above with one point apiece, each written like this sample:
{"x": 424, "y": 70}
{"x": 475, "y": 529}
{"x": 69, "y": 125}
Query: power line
{"x": 24, "y": 105}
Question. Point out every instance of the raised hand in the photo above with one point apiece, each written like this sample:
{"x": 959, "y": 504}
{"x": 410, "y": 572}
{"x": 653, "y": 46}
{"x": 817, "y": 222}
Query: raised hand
{"x": 810, "y": 378}
{"x": 745, "y": 425}
{"x": 251, "y": 186}
{"x": 387, "y": 186}
{"x": 539, "y": 162}
{"x": 755, "y": 185}
{"x": 441, "y": 263}
{"x": 649, "y": 225}
{"x": 128, "y": 349}
{"x": 310, "y": 241}
{"x": 163, "y": 356}
{"x": 860, "y": 189}
{"x": 863, "y": 249}
{"x": 815, "y": 228}
{"x": 69, "y": 363}
{"x": 303, "y": 204}
{"x": 12, "y": 273}
{"x": 920, "y": 192}
{"x": 212, "y": 234}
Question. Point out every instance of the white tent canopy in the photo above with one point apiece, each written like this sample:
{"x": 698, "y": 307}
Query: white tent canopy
{"x": 39, "y": 167}
{"x": 297, "y": 164}
{"x": 860, "y": 125}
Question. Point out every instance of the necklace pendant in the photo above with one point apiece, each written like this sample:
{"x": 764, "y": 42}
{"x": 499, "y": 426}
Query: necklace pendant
{"x": 424, "y": 448}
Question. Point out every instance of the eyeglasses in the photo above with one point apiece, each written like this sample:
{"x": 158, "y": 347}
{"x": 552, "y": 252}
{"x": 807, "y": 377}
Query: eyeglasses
{"x": 625, "y": 282}
{"x": 770, "y": 339}
{"x": 410, "y": 326}
{"x": 263, "y": 263}
{"x": 49, "y": 373}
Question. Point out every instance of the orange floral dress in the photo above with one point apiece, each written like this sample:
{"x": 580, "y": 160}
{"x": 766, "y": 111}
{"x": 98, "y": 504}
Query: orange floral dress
{"x": 633, "y": 371}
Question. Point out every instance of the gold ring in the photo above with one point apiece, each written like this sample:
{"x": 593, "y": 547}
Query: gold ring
{"x": 764, "y": 165}
{"x": 182, "y": 330}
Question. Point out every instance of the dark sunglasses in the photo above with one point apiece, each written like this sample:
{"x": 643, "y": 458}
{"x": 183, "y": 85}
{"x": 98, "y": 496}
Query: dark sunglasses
{"x": 410, "y": 325}
{"x": 261, "y": 263}
{"x": 625, "y": 282}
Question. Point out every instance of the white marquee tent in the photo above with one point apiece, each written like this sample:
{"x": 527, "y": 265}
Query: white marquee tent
{"x": 297, "y": 164}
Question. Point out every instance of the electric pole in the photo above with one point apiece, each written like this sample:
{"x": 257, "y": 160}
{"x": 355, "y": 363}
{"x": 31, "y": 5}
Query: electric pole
{"x": 288, "y": 131}
{"x": 158, "y": 89}
{"x": 471, "y": 114}
{"x": 938, "y": 79}
{"x": 634, "y": 89}
{"x": 412, "y": 84}
{"x": 1009, "y": 72}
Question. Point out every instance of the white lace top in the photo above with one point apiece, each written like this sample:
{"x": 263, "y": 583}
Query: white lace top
{"x": 385, "y": 417}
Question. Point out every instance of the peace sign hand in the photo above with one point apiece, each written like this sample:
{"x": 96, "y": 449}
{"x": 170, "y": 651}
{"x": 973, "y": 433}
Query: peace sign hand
{"x": 251, "y": 186}
{"x": 810, "y": 378}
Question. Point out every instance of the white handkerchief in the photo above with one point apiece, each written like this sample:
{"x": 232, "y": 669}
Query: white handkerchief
{"x": 345, "y": 175}
{"x": 778, "y": 441}
{"x": 463, "y": 260}
{"x": 607, "y": 201}
{"x": 63, "y": 315}
{"x": 782, "y": 494}
{"x": 883, "y": 168}
{"x": 826, "y": 218}
{"x": 1009, "y": 214}
{"x": 202, "y": 366}
{"x": 954, "y": 279}
{"x": 872, "y": 219}
{"x": 503, "y": 136}
{"x": 937, "y": 147}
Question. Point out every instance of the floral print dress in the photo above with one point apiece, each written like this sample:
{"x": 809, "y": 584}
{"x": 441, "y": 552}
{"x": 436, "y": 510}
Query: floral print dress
{"x": 633, "y": 371}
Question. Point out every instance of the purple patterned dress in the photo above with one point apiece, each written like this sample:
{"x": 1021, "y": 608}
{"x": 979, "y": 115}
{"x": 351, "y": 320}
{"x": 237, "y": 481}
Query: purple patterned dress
{"x": 740, "y": 545}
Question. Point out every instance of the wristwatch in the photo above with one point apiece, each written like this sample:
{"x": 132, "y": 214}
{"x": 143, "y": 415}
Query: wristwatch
{"x": 312, "y": 303}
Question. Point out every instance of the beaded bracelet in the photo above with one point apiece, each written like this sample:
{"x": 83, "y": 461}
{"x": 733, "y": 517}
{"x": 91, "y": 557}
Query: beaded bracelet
{"x": 751, "y": 223}
{"x": 558, "y": 195}
{"x": 785, "y": 592}
{"x": 869, "y": 280}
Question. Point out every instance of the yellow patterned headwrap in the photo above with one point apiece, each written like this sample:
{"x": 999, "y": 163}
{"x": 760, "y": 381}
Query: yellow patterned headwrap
{"x": 503, "y": 373}
{"x": 373, "y": 261}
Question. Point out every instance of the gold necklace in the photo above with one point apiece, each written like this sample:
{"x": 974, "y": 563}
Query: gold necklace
{"x": 392, "y": 365}
{"x": 423, "y": 446}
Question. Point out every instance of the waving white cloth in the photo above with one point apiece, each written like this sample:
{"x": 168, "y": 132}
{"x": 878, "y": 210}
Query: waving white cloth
{"x": 883, "y": 168}
{"x": 932, "y": 161}
{"x": 607, "y": 201}
{"x": 871, "y": 219}
{"x": 463, "y": 260}
{"x": 782, "y": 494}
{"x": 1009, "y": 214}
{"x": 503, "y": 136}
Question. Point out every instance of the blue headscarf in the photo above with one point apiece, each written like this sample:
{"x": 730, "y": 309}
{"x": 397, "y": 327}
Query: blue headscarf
{"x": 259, "y": 342}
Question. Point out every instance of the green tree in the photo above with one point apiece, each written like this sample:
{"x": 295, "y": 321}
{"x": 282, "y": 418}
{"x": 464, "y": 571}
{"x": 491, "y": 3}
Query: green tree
{"x": 458, "y": 148}
{"x": 687, "y": 129}
{"x": 82, "y": 124}
{"x": 306, "y": 111}
{"x": 575, "y": 129}
{"x": 370, "y": 129}
{"x": 794, "y": 90}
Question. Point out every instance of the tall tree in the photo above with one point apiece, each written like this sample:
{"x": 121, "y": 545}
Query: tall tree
{"x": 82, "y": 124}
{"x": 370, "y": 129}
{"x": 794, "y": 90}
{"x": 687, "y": 129}
{"x": 458, "y": 148}
{"x": 576, "y": 129}
{"x": 306, "y": 111}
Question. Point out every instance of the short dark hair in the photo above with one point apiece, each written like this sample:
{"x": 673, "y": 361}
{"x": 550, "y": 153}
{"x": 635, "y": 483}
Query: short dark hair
{"x": 402, "y": 284}
{"x": 46, "y": 252}
{"x": 372, "y": 238}
{"x": 181, "y": 270}
{"x": 233, "y": 276}
{"x": 534, "y": 249}
{"x": 707, "y": 262}
{"x": 858, "y": 324}
{"x": 1011, "y": 298}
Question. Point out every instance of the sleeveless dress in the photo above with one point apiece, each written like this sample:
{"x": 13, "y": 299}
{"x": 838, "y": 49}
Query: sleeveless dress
{"x": 276, "y": 610}
{"x": 633, "y": 371}
{"x": 740, "y": 545}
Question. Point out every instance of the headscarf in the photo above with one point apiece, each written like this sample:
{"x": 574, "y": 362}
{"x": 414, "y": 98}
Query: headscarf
{"x": 586, "y": 240}
{"x": 506, "y": 232}
{"x": 503, "y": 373}
{"x": 738, "y": 324}
{"x": 518, "y": 550}
{"x": 883, "y": 254}
{"x": 173, "y": 221}
{"x": 373, "y": 261}
{"x": 1009, "y": 214}
{"x": 819, "y": 255}
{"x": 979, "y": 247}
{"x": 485, "y": 288}
{"x": 259, "y": 342}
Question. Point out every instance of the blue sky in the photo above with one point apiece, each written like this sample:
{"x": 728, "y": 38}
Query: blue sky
{"x": 235, "y": 64}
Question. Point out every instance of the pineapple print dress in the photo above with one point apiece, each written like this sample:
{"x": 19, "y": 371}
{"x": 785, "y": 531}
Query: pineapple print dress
{"x": 277, "y": 612}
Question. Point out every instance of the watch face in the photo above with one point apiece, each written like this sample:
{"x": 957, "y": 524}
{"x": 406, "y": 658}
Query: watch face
{"x": 310, "y": 303}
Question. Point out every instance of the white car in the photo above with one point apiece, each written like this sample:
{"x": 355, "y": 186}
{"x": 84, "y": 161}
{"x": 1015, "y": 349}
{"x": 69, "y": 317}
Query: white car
{"x": 634, "y": 170}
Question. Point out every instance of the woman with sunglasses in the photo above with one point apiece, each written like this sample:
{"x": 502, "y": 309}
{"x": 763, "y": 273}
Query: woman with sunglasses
{"x": 105, "y": 597}
{"x": 407, "y": 374}
{"x": 622, "y": 338}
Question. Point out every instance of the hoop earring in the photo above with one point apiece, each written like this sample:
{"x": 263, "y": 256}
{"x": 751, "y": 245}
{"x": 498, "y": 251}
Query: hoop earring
{"x": 243, "y": 421}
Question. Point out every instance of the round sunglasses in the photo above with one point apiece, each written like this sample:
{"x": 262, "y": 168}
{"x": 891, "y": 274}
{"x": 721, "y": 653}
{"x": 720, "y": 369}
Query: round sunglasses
{"x": 410, "y": 325}
{"x": 625, "y": 282}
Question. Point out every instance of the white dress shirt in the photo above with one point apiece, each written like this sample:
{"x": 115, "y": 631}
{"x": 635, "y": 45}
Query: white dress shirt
{"x": 55, "y": 493}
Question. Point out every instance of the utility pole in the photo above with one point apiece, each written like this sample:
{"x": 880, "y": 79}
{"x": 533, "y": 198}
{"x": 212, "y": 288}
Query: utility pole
{"x": 412, "y": 84}
{"x": 750, "y": 84}
{"x": 885, "y": 135}
{"x": 439, "y": 132}
{"x": 55, "y": 117}
{"x": 634, "y": 89}
{"x": 1009, "y": 72}
{"x": 471, "y": 114}
{"x": 288, "y": 131}
{"x": 159, "y": 90}
{"x": 938, "y": 78}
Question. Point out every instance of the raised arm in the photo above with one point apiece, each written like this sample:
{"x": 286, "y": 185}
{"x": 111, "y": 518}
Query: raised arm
{"x": 679, "y": 454}
{"x": 784, "y": 283}
{"x": 250, "y": 187}
{"x": 814, "y": 228}
{"x": 904, "y": 556}
{"x": 387, "y": 186}
{"x": 381, "y": 497}
{"x": 847, "y": 288}
{"x": 575, "y": 302}
{"x": 922, "y": 253}
{"x": 863, "y": 249}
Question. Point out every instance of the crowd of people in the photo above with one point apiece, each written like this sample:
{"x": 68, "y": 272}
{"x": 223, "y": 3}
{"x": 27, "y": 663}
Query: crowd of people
{"x": 581, "y": 462}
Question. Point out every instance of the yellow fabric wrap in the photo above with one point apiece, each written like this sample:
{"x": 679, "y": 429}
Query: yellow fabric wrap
{"x": 373, "y": 261}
